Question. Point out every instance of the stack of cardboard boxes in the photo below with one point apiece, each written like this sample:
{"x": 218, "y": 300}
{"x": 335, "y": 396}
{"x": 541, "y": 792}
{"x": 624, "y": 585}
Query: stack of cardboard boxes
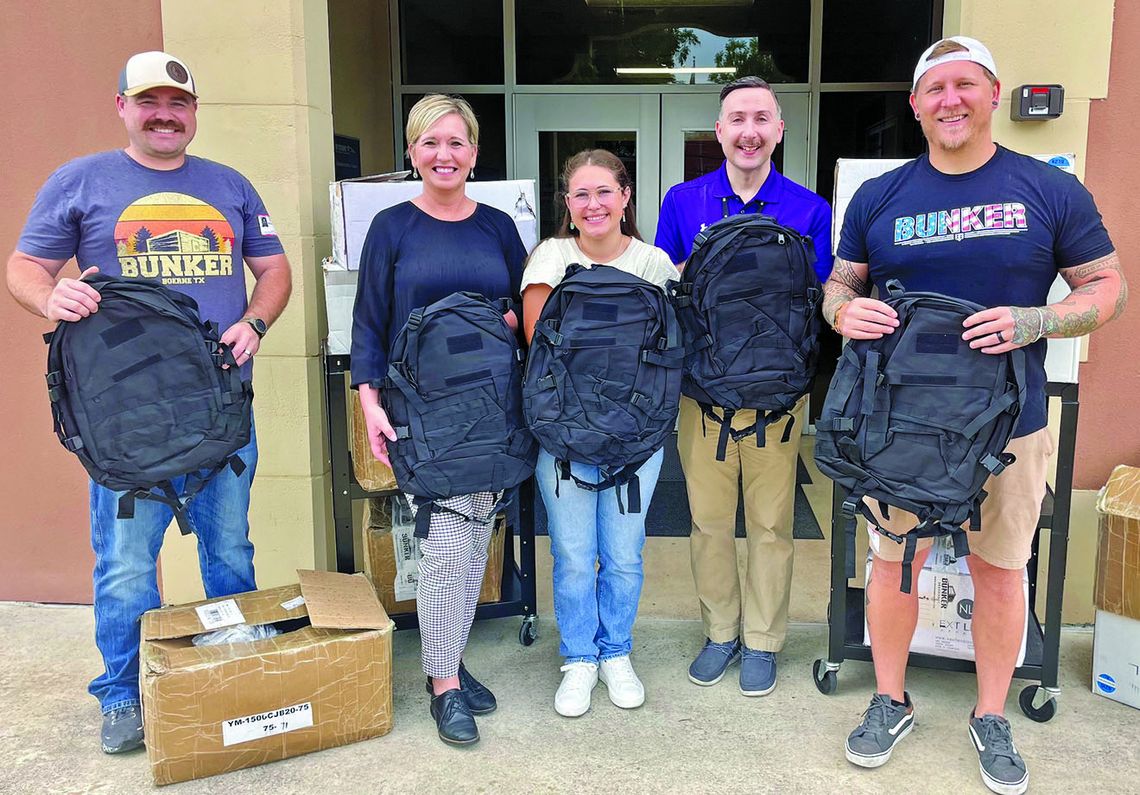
{"x": 1116, "y": 644}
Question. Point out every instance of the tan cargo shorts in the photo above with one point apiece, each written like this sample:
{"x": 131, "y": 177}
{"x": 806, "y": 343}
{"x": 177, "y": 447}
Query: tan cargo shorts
{"x": 1010, "y": 513}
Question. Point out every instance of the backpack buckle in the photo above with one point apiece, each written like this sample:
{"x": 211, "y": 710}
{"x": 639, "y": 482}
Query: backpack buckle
{"x": 849, "y": 508}
{"x": 416, "y": 319}
{"x": 73, "y": 444}
{"x": 54, "y": 378}
{"x": 992, "y": 464}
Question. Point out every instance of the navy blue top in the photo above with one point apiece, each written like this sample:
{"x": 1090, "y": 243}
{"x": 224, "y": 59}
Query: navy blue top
{"x": 410, "y": 260}
{"x": 691, "y": 206}
{"x": 995, "y": 236}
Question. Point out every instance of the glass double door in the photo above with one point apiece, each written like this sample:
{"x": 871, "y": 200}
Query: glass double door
{"x": 663, "y": 139}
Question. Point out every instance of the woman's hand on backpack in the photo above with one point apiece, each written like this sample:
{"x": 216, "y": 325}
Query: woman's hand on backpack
{"x": 865, "y": 319}
{"x": 380, "y": 430}
{"x": 72, "y": 299}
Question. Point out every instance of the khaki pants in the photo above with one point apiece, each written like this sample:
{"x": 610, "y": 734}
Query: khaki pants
{"x": 769, "y": 480}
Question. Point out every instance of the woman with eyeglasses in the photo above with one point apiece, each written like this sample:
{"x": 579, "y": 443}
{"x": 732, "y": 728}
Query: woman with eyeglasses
{"x": 596, "y": 546}
{"x": 416, "y": 253}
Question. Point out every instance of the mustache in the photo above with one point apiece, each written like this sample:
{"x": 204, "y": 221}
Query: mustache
{"x": 171, "y": 124}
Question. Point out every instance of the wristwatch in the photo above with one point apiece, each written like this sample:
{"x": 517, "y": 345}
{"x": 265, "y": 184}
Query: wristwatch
{"x": 258, "y": 325}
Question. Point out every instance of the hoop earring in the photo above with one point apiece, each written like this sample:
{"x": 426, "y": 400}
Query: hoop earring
{"x": 917, "y": 118}
{"x": 995, "y": 104}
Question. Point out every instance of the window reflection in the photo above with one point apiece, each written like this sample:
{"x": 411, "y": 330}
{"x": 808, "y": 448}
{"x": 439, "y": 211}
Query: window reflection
{"x": 564, "y": 42}
{"x": 451, "y": 42}
{"x": 555, "y": 148}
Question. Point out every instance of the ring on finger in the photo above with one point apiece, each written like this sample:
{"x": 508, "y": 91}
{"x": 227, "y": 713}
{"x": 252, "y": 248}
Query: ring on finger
{"x": 999, "y": 336}
{"x": 247, "y": 352}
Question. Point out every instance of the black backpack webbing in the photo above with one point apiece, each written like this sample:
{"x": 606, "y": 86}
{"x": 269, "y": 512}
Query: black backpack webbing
{"x": 668, "y": 352}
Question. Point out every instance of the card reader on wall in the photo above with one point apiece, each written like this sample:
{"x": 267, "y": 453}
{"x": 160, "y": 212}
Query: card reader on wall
{"x": 1037, "y": 103}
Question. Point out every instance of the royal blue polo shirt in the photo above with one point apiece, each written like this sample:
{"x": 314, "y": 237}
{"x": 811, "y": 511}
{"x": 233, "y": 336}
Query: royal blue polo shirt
{"x": 691, "y": 206}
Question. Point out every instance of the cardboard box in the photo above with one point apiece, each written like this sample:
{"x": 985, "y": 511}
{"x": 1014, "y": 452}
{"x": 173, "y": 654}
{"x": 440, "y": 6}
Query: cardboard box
{"x": 1063, "y": 356}
{"x": 1117, "y": 588}
{"x": 355, "y": 203}
{"x": 946, "y": 606}
{"x": 370, "y": 473}
{"x": 392, "y": 556}
{"x": 1116, "y": 658}
{"x": 325, "y": 681}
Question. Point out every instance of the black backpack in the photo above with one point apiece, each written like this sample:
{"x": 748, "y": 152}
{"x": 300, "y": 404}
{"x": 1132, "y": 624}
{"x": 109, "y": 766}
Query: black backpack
{"x": 748, "y": 303}
{"x": 603, "y": 382}
{"x": 919, "y": 420}
{"x": 138, "y": 393}
{"x": 454, "y": 397}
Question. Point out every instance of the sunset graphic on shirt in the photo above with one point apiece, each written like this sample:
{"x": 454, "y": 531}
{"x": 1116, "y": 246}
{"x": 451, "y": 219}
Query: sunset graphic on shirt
{"x": 174, "y": 238}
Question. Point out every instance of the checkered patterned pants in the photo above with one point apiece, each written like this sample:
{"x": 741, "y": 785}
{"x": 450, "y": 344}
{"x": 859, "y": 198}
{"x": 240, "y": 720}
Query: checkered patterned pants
{"x": 454, "y": 556}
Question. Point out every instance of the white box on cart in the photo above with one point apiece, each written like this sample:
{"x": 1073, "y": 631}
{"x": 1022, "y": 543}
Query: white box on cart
{"x": 946, "y": 605}
{"x": 355, "y": 203}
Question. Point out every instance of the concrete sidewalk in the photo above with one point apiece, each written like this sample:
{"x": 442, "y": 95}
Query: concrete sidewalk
{"x": 685, "y": 738}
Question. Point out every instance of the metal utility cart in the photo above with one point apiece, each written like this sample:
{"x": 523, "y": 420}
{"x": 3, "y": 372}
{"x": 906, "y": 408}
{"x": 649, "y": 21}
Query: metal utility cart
{"x": 518, "y": 584}
{"x": 846, "y": 607}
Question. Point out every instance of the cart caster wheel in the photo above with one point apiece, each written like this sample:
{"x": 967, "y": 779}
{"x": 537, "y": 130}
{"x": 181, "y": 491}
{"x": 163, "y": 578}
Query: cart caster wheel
{"x": 1041, "y": 714}
{"x": 825, "y": 680}
{"x": 527, "y": 632}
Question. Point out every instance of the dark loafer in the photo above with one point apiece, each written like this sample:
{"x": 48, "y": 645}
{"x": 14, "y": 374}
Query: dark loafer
{"x": 453, "y": 718}
{"x": 480, "y": 700}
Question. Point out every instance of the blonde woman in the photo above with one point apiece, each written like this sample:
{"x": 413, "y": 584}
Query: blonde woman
{"x": 418, "y": 252}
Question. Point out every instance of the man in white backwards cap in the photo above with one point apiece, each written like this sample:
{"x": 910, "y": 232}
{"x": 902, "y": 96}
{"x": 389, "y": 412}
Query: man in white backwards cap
{"x": 977, "y": 221}
{"x": 115, "y": 212}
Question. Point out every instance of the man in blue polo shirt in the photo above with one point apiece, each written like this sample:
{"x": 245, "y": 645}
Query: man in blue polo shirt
{"x": 751, "y": 629}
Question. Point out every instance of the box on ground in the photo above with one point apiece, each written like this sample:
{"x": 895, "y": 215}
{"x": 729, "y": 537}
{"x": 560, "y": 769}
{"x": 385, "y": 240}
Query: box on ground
{"x": 392, "y": 556}
{"x": 946, "y": 605}
{"x": 325, "y": 681}
{"x": 372, "y": 475}
{"x": 1116, "y": 658}
{"x": 1117, "y": 587}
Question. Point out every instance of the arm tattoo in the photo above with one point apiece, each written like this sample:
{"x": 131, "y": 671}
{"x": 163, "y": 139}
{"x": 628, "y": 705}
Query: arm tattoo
{"x": 1026, "y": 325}
{"x": 842, "y": 285}
{"x": 1074, "y": 324}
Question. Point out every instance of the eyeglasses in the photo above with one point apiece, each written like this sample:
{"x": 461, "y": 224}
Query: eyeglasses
{"x": 604, "y": 195}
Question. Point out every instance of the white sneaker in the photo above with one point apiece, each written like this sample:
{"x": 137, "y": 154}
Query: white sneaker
{"x": 625, "y": 689}
{"x": 573, "y": 696}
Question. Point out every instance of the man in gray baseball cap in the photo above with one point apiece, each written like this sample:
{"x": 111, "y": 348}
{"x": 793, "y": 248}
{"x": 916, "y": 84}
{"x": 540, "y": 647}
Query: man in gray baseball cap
{"x": 152, "y": 211}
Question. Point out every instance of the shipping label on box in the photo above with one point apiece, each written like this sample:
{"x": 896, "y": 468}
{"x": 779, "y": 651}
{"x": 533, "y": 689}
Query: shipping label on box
{"x": 1062, "y": 356}
{"x": 1116, "y": 658}
{"x": 324, "y": 681}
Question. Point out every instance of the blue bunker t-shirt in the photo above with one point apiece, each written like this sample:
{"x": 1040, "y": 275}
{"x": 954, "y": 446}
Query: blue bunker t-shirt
{"x": 995, "y": 236}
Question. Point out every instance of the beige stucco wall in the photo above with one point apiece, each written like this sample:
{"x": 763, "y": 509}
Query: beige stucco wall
{"x": 266, "y": 109}
{"x": 1049, "y": 42}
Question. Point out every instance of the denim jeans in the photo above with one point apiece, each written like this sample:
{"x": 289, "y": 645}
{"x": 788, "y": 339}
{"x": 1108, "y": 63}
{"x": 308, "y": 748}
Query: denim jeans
{"x": 597, "y": 559}
{"x": 126, "y": 578}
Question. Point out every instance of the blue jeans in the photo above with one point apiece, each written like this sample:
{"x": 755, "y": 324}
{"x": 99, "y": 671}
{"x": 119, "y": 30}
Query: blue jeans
{"x": 597, "y": 559}
{"x": 126, "y": 578}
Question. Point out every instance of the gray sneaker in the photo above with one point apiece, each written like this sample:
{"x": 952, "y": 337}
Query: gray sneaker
{"x": 884, "y": 724}
{"x": 713, "y": 661}
{"x": 1003, "y": 769}
{"x": 122, "y": 730}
